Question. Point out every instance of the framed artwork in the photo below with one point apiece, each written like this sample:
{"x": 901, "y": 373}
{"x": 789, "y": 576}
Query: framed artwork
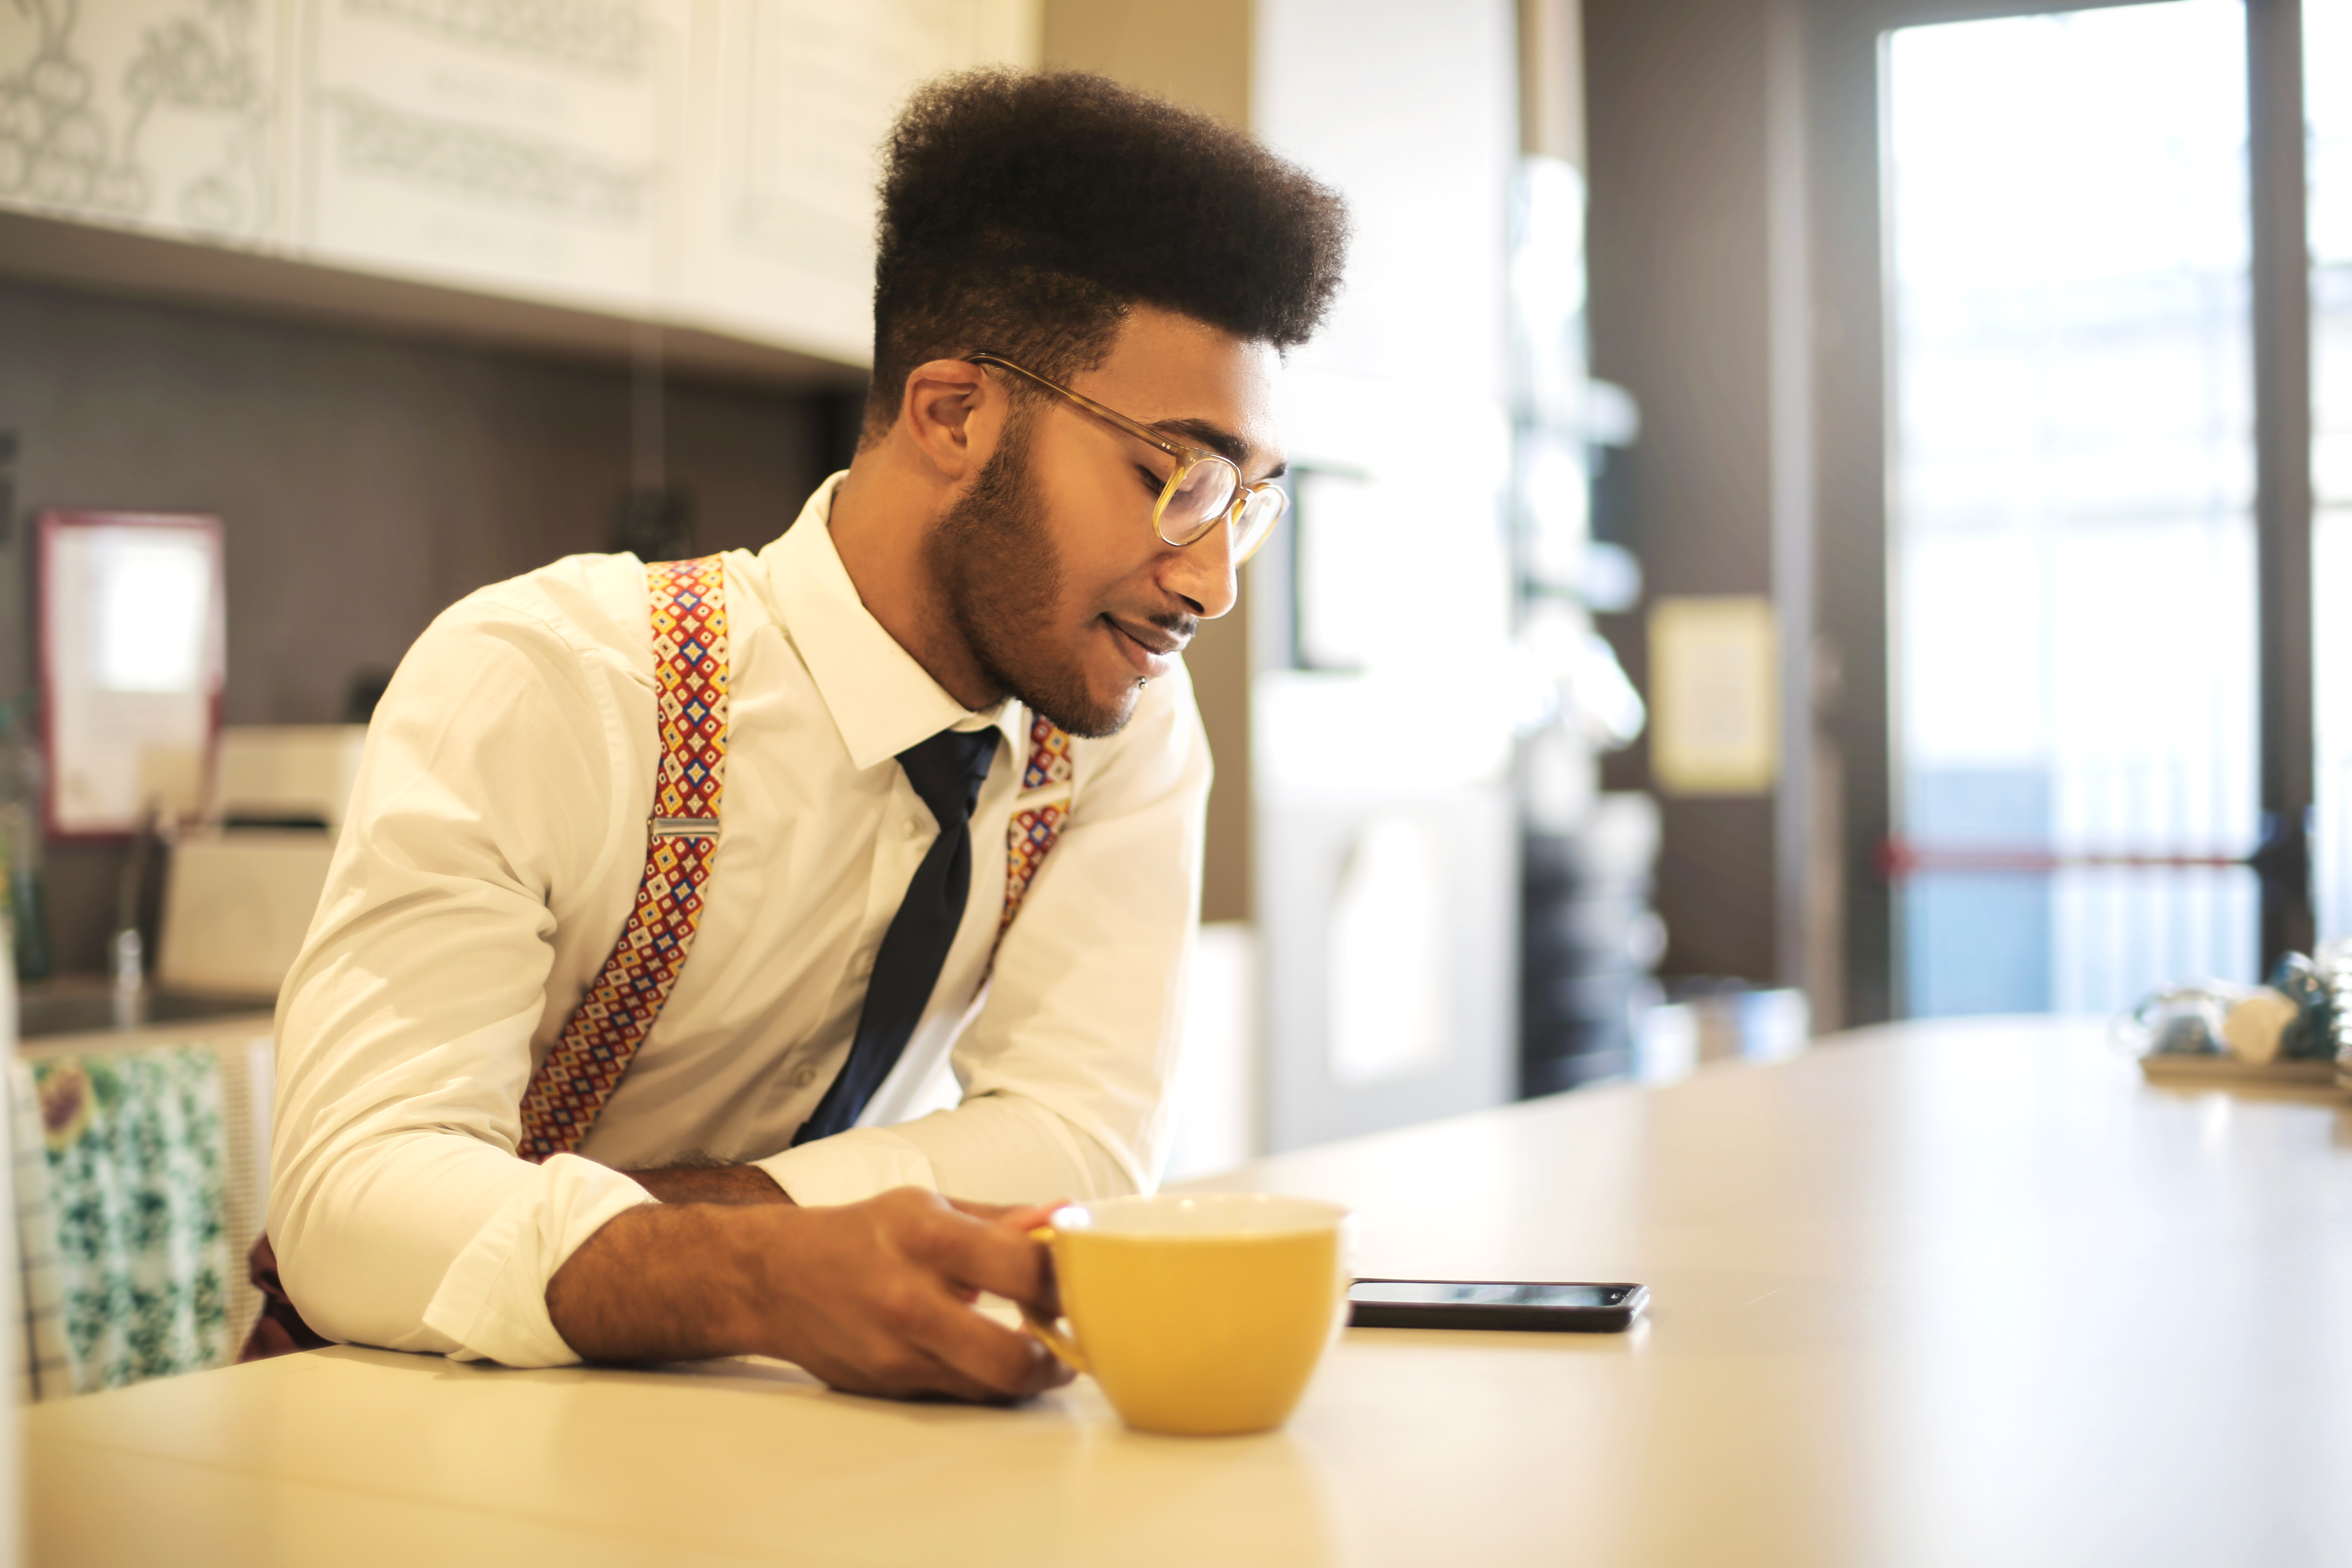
{"x": 132, "y": 644}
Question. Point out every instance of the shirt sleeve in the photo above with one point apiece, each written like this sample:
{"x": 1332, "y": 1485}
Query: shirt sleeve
{"x": 487, "y": 798}
{"x": 998, "y": 1149}
{"x": 1066, "y": 1068}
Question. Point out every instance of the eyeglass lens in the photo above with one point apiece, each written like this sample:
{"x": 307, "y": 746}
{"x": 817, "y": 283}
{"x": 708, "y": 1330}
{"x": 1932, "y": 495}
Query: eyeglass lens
{"x": 1205, "y": 497}
{"x": 1257, "y": 520}
{"x": 1201, "y": 497}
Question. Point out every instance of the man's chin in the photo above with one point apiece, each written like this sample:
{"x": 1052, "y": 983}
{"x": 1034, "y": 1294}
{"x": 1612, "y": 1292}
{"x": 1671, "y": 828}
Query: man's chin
{"x": 1085, "y": 712}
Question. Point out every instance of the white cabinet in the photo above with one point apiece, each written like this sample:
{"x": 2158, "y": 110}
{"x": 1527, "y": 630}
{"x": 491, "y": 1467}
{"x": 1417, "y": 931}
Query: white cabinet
{"x": 701, "y": 164}
{"x": 513, "y": 149}
{"x": 788, "y": 107}
{"x": 162, "y": 114}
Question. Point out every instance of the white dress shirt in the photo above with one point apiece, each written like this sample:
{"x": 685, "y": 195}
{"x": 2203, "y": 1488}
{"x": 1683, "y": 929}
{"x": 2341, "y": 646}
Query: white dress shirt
{"x": 493, "y": 850}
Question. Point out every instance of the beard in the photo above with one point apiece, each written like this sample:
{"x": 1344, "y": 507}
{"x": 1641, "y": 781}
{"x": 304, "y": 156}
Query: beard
{"x": 1002, "y": 575}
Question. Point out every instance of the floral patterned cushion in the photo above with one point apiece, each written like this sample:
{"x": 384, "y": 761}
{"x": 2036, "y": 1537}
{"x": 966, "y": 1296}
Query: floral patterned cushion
{"x": 135, "y": 1161}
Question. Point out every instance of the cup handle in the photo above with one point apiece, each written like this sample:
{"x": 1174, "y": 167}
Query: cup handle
{"x": 1049, "y": 1333}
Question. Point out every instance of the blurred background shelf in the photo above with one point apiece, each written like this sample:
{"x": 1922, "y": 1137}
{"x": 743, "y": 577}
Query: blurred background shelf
{"x": 68, "y": 253}
{"x": 75, "y": 1005}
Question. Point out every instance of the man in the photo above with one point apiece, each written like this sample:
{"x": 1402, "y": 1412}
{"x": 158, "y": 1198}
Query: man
{"x": 560, "y": 1081}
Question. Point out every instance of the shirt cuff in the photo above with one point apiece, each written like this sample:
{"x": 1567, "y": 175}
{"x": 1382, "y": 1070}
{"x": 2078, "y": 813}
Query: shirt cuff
{"x": 849, "y": 1167}
{"x": 493, "y": 1301}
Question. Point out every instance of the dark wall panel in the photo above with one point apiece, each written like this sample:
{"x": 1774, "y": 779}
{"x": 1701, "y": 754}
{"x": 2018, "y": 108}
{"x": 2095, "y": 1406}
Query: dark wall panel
{"x": 367, "y": 482}
{"x": 1676, "y": 120}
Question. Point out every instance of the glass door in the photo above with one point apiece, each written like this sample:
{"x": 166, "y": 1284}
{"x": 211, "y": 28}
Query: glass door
{"x": 2072, "y": 595}
{"x": 2327, "y": 98}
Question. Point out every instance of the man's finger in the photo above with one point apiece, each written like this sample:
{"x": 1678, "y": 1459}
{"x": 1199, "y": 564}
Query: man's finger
{"x": 1026, "y": 1369}
{"x": 1013, "y": 1216}
{"x": 912, "y": 1375}
{"x": 987, "y": 1257}
{"x": 1006, "y": 1362}
{"x": 940, "y": 1376}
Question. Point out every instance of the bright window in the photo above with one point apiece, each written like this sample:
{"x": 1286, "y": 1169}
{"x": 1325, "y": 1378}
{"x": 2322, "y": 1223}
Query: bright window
{"x": 2072, "y": 592}
{"x": 2327, "y": 100}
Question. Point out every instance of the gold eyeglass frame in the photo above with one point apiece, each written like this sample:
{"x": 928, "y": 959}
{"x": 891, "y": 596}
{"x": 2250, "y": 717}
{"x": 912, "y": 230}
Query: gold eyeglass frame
{"x": 1187, "y": 459}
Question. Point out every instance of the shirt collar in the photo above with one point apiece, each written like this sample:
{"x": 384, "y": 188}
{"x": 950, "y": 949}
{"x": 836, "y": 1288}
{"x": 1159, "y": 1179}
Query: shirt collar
{"x": 881, "y": 700}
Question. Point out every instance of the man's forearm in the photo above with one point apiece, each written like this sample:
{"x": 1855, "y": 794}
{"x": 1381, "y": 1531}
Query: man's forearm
{"x": 658, "y": 1282}
{"x": 655, "y": 1283}
{"x": 734, "y": 1186}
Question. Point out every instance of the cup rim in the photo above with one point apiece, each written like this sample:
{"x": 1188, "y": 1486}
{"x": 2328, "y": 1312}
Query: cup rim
{"x": 1201, "y": 1217}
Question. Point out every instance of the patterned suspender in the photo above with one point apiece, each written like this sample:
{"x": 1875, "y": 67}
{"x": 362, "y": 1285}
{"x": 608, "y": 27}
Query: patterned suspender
{"x": 690, "y": 670}
{"x": 1037, "y": 815}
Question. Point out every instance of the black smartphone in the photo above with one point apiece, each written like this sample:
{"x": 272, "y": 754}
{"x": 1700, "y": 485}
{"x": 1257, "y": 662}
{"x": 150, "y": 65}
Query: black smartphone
{"x": 1498, "y": 1304}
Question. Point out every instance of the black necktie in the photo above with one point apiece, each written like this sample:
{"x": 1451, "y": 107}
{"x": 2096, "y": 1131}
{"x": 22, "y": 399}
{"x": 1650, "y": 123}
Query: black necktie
{"x": 946, "y": 771}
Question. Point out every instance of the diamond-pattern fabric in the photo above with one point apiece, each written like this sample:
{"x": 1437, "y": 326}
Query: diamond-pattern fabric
{"x": 1031, "y": 835}
{"x": 690, "y": 665}
{"x": 1049, "y": 756}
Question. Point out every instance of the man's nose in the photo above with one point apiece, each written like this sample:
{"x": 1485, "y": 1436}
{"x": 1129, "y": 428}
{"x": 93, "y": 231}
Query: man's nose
{"x": 1202, "y": 573}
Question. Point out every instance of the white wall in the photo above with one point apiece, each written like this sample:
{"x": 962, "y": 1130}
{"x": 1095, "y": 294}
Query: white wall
{"x": 1386, "y": 884}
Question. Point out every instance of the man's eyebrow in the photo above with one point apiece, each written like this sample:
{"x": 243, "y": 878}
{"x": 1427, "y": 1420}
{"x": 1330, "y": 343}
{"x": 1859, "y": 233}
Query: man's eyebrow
{"x": 1217, "y": 439}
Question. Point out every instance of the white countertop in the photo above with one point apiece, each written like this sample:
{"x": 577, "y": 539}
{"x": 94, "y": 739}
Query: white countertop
{"x": 1971, "y": 1294}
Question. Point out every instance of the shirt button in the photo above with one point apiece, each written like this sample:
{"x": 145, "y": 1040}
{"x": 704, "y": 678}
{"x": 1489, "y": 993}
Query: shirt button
{"x": 910, "y": 827}
{"x": 803, "y": 1077}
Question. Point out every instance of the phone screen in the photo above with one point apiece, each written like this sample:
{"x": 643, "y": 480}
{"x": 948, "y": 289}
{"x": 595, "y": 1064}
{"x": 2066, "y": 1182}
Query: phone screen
{"x": 1466, "y": 1293}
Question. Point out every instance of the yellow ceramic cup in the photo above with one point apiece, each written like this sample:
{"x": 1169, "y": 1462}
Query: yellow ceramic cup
{"x": 1200, "y": 1313}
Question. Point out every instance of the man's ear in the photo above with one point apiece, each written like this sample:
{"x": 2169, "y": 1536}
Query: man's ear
{"x": 953, "y": 416}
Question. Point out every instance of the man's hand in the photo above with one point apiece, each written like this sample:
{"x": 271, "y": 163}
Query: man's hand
{"x": 873, "y": 1298}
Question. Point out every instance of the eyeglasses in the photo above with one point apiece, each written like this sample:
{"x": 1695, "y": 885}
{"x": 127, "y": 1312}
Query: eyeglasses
{"x": 1204, "y": 489}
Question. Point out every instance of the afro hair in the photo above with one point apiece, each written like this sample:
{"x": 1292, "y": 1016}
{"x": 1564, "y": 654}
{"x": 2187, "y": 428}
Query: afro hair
{"x": 1023, "y": 213}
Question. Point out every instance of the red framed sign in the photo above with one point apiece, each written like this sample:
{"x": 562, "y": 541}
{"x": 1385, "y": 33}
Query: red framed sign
{"x": 133, "y": 654}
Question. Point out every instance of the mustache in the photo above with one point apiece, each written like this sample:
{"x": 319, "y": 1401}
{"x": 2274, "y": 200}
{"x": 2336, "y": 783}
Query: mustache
{"x": 1181, "y": 627}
